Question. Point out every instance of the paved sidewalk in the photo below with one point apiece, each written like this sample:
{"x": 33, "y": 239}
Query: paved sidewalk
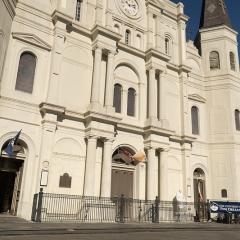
{"x": 13, "y": 228}
{"x": 11, "y": 223}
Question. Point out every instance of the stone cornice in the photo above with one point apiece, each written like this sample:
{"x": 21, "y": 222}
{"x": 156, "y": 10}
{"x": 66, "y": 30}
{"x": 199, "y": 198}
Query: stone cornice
{"x": 31, "y": 39}
{"x": 155, "y": 53}
{"x": 197, "y": 98}
{"x": 155, "y": 3}
{"x": 62, "y": 17}
{"x": 51, "y": 108}
{"x": 183, "y": 139}
{"x": 99, "y": 30}
{"x": 131, "y": 50}
{"x": 10, "y": 5}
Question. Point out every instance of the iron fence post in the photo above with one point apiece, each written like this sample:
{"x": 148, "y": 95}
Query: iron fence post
{"x": 122, "y": 208}
{"x": 156, "y": 210}
{"x": 39, "y": 205}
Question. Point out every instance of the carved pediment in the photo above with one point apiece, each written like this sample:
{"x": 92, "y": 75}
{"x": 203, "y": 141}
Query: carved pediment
{"x": 32, "y": 39}
{"x": 196, "y": 97}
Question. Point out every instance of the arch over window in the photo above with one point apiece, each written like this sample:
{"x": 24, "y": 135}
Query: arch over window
{"x": 127, "y": 37}
{"x": 117, "y": 98}
{"x": 224, "y": 193}
{"x": 232, "y": 61}
{"x": 131, "y": 102}
{"x": 237, "y": 119}
{"x": 26, "y": 72}
{"x": 195, "y": 120}
{"x": 214, "y": 60}
{"x": 78, "y": 10}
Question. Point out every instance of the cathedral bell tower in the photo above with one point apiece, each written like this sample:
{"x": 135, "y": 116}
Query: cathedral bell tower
{"x": 217, "y": 44}
{"x": 217, "y": 40}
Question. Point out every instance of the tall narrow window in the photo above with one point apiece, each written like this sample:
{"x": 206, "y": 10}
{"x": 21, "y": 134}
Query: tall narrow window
{"x": 127, "y": 37}
{"x": 117, "y": 98}
{"x": 26, "y": 72}
{"x": 78, "y": 10}
{"x": 237, "y": 120}
{"x": 214, "y": 60}
{"x": 131, "y": 102}
{"x": 167, "y": 43}
{"x": 195, "y": 120}
{"x": 232, "y": 61}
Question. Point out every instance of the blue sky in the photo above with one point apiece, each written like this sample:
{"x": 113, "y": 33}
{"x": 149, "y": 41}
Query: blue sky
{"x": 193, "y": 8}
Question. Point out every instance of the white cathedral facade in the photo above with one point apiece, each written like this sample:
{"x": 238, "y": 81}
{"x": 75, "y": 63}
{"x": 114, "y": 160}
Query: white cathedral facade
{"x": 93, "y": 82}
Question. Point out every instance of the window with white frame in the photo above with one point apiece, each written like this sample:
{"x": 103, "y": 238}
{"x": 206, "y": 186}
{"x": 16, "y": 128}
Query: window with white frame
{"x": 195, "y": 120}
{"x": 214, "y": 60}
{"x": 232, "y": 61}
{"x": 117, "y": 98}
{"x": 128, "y": 37}
{"x": 78, "y": 10}
{"x": 131, "y": 102}
{"x": 26, "y": 72}
{"x": 167, "y": 46}
{"x": 237, "y": 119}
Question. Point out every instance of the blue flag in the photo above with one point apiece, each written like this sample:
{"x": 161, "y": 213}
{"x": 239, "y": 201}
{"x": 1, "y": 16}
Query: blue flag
{"x": 12, "y": 142}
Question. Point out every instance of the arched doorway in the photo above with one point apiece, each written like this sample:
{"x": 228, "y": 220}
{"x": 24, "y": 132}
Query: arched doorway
{"x": 123, "y": 168}
{"x": 199, "y": 184}
{"x": 11, "y": 171}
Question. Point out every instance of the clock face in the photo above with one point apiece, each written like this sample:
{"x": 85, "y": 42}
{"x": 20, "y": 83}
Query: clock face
{"x": 130, "y": 7}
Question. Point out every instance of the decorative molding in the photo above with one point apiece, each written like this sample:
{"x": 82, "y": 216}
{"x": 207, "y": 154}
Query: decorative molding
{"x": 32, "y": 39}
{"x": 10, "y": 5}
{"x": 197, "y": 98}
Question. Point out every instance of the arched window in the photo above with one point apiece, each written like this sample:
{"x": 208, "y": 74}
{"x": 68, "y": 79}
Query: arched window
{"x": 232, "y": 61}
{"x": 131, "y": 102}
{"x": 117, "y": 28}
{"x": 127, "y": 37}
{"x": 26, "y": 72}
{"x": 237, "y": 119}
{"x": 78, "y": 10}
{"x": 214, "y": 60}
{"x": 117, "y": 98}
{"x": 167, "y": 45}
{"x": 195, "y": 120}
{"x": 224, "y": 193}
{"x": 138, "y": 41}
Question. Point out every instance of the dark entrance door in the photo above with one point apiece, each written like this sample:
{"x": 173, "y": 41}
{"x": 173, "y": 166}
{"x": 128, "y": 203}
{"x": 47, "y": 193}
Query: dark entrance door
{"x": 122, "y": 183}
{"x": 10, "y": 183}
{"x": 7, "y": 180}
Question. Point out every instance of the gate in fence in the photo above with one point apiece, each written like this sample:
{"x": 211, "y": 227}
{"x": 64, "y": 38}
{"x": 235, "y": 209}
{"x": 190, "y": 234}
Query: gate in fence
{"x": 48, "y": 207}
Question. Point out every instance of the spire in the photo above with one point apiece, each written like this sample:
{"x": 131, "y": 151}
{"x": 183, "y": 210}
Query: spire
{"x": 214, "y": 13}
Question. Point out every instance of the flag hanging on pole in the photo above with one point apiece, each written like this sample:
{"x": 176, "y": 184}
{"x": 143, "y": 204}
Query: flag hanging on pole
{"x": 9, "y": 150}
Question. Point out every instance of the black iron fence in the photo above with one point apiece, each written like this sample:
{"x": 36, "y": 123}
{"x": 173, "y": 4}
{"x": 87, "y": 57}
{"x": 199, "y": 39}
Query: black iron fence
{"x": 48, "y": 207}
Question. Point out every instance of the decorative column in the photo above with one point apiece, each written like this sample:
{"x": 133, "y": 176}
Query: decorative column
{"x": 96, "y": 76}
{"x": 164, "y": 175}
{"x": 106, "y": 169}
{"x": 161, "y": 97}
{"x": 152, "y": 94}
{"x": 152, "y": 174}
{"x": 109, "y": 81}
{"x": 90, "y": 166}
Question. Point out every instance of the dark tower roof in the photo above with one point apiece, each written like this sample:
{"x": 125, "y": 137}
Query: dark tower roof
{"x": 214, "y": 13}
